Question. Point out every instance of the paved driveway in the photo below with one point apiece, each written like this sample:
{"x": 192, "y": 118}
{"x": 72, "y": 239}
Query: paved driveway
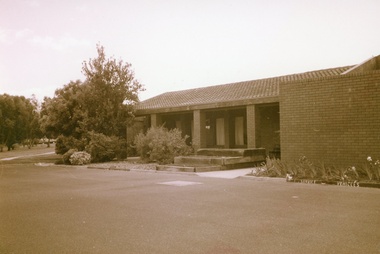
{"x": 59, "y": 209}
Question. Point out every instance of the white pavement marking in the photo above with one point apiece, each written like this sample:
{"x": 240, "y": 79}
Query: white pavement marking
{"x": 10, "y": 158}
{"x": 44, "y": 164}
{"x": 25, "y": 156}
{"x": 179, "y": 183}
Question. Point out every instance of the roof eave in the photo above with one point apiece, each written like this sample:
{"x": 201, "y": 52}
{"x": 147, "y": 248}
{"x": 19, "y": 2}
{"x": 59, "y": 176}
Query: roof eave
{"x": 225, "y": 104}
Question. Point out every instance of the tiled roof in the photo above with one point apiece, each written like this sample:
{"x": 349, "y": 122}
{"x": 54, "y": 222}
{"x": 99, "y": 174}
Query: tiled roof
{"x": 247, "y": 90}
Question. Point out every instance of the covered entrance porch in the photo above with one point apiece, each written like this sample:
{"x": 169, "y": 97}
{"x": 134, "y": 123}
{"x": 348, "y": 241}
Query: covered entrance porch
{"x": 250, "y": 126}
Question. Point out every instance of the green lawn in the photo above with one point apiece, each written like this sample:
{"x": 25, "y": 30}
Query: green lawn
{"x": 40, "y": 153}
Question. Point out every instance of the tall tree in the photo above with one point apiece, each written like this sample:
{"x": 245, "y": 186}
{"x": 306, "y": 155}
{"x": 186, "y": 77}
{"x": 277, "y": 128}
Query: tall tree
{"x": 8, "y": 122}
{"x": 113, "y": 90}
{"x": 101, "y": 103}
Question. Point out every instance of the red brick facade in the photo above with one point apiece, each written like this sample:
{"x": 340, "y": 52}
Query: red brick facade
{"x": 335, "y": 120}
{"x": 330, "y": 116}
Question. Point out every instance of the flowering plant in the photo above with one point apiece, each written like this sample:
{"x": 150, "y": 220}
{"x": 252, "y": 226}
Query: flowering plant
{"x": 80, "y": 158}
{"x": 372, "y": 169}
{"x": 303, "y": 168}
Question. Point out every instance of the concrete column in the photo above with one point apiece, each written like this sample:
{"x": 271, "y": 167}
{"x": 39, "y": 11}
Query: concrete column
{"x": 251, "y": 126}
{"x": 155, "y": 120}
{"x": 227, "y": 135}
{"x": 199, "y": 138}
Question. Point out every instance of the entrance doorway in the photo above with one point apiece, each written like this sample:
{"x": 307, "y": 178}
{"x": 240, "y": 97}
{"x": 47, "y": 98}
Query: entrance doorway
{"x": 226, "y": 128}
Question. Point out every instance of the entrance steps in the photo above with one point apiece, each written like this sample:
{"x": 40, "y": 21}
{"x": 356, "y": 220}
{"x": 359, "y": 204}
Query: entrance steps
{"x": 186, "y": 168}
{"x": 216, "y": 159}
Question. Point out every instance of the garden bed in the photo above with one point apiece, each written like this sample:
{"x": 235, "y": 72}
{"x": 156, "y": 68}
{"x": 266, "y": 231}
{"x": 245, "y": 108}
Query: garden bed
{"x": 304, "y": 171}
{"x": 338, "y": 183}
{"x": 124, "y": 165}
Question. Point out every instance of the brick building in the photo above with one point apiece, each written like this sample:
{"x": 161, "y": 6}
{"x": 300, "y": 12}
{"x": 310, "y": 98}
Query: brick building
{"x": 330, "y": 115}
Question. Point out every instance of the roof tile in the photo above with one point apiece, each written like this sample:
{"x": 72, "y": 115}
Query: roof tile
{"x": 261, "y": 88}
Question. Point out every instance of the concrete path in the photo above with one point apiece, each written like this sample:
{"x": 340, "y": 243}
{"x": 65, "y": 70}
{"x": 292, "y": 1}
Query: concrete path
{"x": 228, "y": 174}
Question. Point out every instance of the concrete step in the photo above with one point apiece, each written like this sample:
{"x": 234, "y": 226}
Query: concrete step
{"x": 213, "y": 160}
{"x": 216, "y": 159}
{"x": 198, "y": 160}
{"x": 236, "y": 152}
{"x": 184, "y": 168}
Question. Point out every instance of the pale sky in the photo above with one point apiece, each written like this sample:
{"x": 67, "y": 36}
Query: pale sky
{"x": 175, "y": 45}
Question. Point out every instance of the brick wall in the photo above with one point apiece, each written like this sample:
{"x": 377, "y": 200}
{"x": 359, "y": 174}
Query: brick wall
{"x": 251, "y": 129}
{"x": 334, "y": 120}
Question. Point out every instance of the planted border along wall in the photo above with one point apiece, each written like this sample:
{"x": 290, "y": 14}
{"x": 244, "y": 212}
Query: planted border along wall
{"x": 333, "y": 120}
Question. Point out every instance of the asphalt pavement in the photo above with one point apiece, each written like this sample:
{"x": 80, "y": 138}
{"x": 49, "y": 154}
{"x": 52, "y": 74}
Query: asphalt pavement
{"x": 62, "y": 209}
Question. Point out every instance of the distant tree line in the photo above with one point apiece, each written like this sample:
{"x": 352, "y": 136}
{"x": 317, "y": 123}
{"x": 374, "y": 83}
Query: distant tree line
{"x": 100, "y": 106}
{"x": 19, "y": 121}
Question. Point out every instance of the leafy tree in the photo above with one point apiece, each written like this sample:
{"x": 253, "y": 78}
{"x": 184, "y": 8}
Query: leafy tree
{"x": 64, "y": 114}
{"x": 30, "y": 123}
{"x": 7, "y": 109}
{"x": 113, "y": 89}
{"x": 46, "y": 127}
{"x": 19, "y": 120}
{"x": 101, "y": 104}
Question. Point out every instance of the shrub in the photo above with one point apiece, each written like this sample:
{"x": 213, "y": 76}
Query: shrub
{"x": 273, "y": 167}
{"x": 15, "y": 146}
{"x": 121, "y": 148}
{"x": 60, "y": 146}
{"x": 64, "y": 144}
{"x": 67, "y": 155}
{"x": 161, "y": 145}
{"x": 101, "y": 147}
{"x": 80, "y": 158}
{"x": 131, "y": 149}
